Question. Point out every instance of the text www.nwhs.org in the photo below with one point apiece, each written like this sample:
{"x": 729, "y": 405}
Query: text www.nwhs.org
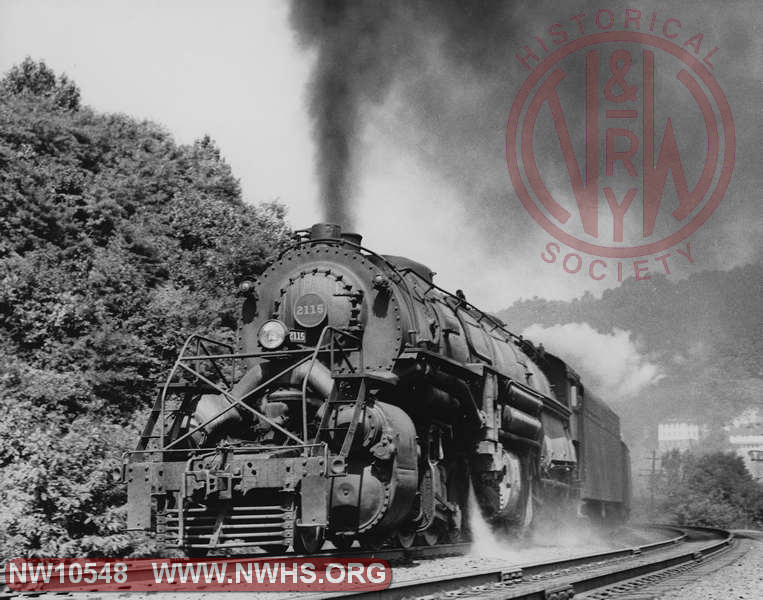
{"x": 335, "y": 574}
{"x": 270, "y": 572}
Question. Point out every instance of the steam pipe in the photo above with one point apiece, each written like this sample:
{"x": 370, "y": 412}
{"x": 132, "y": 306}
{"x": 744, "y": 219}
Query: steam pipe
{"x": 250, "y": 380}
{"x": 318, "y": 377}
{"x": 210, "y": 405}
{"x": 457, "y": 388}
{"x": 306, "y": 379}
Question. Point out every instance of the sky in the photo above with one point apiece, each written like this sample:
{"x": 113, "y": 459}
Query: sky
{"x": 231, "y": 70}
{"x": 430, "y": 180}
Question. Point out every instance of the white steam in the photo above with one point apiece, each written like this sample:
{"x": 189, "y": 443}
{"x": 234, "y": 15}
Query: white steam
{"x": 611, "y": 362}
{"x": 485, "y": 542}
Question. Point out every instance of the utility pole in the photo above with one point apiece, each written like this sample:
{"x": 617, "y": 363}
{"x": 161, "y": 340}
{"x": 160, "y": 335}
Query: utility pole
{"x": 652, "y": 483}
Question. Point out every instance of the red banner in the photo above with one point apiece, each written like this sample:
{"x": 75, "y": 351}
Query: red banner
{"x": 162, "y": 574}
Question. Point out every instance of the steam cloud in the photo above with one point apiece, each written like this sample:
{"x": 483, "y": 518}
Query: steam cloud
{"x": 613, "y": 365}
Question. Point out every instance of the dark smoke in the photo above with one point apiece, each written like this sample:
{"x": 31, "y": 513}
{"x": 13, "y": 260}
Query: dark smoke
{"x": 351, "y": 39}
{"x": 441, "y": 75}
{"x": 364, "y": 47}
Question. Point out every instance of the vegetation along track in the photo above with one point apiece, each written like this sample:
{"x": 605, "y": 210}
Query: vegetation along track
{"x": 583, "y": 576}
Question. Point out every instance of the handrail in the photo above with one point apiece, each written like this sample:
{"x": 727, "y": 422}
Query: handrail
{"x": 186, "y": 356}
{"x": 239, "y": 401}
{"x": 402, "y": 272}
{"x": 304, "y": 381}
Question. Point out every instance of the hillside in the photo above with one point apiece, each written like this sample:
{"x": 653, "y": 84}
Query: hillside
{"x": 115, "y": 243}
{"x": 702, "y": 334}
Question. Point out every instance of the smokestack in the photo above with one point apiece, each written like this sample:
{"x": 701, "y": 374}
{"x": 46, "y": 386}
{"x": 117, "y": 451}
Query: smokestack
{"x": 325, "y": 231}
{"x": 332, "y": 231}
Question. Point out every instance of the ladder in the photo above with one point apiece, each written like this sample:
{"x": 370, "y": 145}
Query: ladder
{"x": 334, "y": 402}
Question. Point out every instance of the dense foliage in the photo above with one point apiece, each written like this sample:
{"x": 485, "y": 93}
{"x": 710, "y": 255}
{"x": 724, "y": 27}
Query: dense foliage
{"x": 712, "y": 489}
{"x": 115, "y": 243}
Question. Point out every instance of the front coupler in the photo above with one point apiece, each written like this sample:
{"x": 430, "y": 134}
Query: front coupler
{"x": 228, "y": 497}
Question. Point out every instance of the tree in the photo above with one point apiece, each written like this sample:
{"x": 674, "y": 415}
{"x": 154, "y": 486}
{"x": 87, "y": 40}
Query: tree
{"x": 38, "y": 79}
{"x": 115, "y": 244}
{"x": 713, "y": 489}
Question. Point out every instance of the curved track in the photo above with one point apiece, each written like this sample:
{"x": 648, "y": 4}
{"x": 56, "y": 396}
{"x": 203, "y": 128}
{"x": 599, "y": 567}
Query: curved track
{"x": 598, "y": 575}
{"x": 579, "y": 577}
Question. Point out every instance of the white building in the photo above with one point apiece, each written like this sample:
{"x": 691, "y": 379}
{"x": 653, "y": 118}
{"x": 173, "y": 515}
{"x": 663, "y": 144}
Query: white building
{"x": 745, "y": 435}
{"x": 678, "y": 434}
{"x": 746, "y": 438}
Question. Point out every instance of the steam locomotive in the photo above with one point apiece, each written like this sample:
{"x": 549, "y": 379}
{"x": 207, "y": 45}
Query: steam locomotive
{"x": 362, "y": 403}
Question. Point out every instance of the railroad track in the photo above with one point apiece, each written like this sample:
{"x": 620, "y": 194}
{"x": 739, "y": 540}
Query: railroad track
{"x": 140, "y": 572}
{"x": 578, "y": 577}
{"x": 590, "y": 576}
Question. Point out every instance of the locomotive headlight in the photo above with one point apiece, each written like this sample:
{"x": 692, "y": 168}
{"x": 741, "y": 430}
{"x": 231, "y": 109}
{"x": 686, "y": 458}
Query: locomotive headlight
{"x": 272, "y": 334}
{"x": 247, "y": 288}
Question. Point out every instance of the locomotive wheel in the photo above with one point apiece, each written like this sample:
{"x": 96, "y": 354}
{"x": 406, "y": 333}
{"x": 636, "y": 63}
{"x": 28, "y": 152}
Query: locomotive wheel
{"x": 431, "y": 535}
{"x": 343, "y": 542}
{"x": 522, "y": 526}
{"x": 309, "y": 540}
{"x": 406, "y": 538}
{"x": 452, "y": 535}
{"x": 370, "y": 542}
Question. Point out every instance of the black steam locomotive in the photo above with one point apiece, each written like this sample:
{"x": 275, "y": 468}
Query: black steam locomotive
{"x": 363, "y": 402}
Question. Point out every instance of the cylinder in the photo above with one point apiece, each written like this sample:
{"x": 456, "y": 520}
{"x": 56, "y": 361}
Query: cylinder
{"x": 521, "y": 399}
{"x": 520, "y": 423}
{"x": 369, "y": 428}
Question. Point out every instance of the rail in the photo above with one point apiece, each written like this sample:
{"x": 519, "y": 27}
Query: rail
{"x": 552, "y": 579}
{"x": 558, "y": 579}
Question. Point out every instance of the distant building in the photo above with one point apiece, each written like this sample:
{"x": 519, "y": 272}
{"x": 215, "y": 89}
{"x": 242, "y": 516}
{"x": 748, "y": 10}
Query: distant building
{"x": 678, "y": 434}
{"x": 754, "y": 462}
{"x": 751, "y": 416}
{"x": 746, "y": 439}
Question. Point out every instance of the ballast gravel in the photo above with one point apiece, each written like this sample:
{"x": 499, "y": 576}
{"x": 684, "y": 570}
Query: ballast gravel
{"x": 741, "y": 579}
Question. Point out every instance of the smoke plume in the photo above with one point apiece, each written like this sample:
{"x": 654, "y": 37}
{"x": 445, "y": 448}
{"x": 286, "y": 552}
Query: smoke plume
{"x": 364, "y": 49}
{"x": 436, "y": 80}
{"x": 350, "y": 39}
